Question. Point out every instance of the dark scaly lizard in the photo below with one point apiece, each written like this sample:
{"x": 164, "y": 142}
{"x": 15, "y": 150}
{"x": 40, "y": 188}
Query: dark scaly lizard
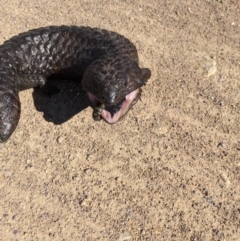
{"x": 106, "y": 62}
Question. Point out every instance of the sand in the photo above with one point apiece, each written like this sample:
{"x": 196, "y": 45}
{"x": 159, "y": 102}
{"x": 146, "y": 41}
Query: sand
{"x": 170, "y": 170}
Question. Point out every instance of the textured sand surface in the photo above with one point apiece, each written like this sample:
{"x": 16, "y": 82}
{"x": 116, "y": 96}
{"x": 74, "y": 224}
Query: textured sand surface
{"x": 170, "y": 170}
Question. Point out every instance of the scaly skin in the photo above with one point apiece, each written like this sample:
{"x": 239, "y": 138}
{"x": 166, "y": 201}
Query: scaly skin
{"x": 106, "y": 62}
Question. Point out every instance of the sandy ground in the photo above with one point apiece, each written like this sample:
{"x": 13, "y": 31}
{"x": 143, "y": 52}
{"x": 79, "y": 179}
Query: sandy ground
{"x": 169, "y": 170}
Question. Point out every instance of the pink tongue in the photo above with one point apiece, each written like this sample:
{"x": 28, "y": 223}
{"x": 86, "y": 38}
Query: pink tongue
{"x": 107, "y": 116}
{"x": 111, "y": 119}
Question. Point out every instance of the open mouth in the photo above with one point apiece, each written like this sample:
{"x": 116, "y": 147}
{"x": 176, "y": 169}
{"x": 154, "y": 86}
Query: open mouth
{"x": 113, "y": 113}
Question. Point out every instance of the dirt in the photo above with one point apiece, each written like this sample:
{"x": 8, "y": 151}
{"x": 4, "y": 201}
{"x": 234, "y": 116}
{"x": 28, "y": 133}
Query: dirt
{"x": 170, "y": 170}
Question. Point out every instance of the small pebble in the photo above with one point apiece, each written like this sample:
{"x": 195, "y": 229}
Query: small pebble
{"x": 207, "y": 66}
{"x": 125, "y": 237}
{"x": 88, "y": 171}
{"x": 225, "y": 178}
{"x": 60, "y": 139}
{"x": 118, "y": 178}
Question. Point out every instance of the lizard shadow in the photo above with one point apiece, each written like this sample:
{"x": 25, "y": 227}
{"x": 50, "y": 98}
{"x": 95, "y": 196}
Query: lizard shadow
{"x": 60, "y": 100}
